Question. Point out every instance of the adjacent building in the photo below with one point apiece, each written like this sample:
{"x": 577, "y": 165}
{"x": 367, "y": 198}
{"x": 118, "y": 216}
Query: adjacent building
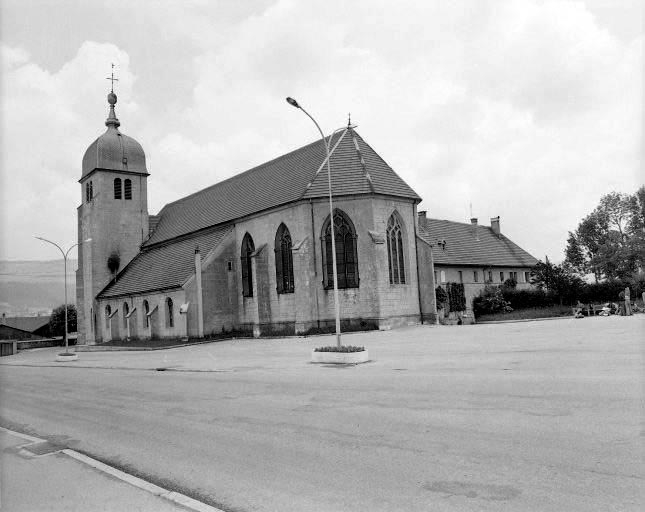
{"x": 24, "y": 327}
{"x": 475, "y": 255}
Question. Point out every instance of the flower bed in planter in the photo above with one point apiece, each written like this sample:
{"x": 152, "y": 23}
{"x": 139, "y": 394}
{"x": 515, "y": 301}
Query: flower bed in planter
{"x": 339, "y": 355}
{"x": 66, "y": 356}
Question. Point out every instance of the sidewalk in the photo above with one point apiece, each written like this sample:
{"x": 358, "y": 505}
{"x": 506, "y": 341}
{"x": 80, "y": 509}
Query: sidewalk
{"x": 34, "y": 475}
{"x": 218, "y": 356}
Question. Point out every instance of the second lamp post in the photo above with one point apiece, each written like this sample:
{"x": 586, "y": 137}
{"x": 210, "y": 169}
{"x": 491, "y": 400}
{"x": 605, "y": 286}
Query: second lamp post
{"x": 295, "y": 104}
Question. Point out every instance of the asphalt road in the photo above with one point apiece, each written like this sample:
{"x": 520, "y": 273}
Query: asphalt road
{"x": 543, "y": 416}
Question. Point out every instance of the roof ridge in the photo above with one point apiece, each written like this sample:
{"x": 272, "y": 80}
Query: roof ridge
{"x": 315, "y": 175}
{"x": 457, "y": 222}
{"x": 366, "y": 173}
{"x": 387, "y": 164}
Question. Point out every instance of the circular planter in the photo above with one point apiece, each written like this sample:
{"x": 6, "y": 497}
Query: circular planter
{"x": 339, "y": 357}
{"x": 66, "y": 356}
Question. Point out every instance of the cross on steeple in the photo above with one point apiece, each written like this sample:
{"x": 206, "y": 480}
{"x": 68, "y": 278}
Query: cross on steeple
{"x": 349, "y": 119}
{"x": 112, "y": 79}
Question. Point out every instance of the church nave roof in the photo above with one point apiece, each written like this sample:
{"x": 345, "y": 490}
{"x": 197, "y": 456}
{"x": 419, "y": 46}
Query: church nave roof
{"x": 300, "y": 174}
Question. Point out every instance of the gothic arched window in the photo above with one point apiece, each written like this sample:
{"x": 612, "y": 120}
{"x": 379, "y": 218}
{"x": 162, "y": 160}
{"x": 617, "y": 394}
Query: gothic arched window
{"x": 108, "y": 312}
{"x": 248, "y": 248}
{"x": 87, "y": 192}
{"x": 91, "y": 191}
{"x": 126, "y": 311}
{"x": 346, "y": 255}
{"x": 283, "y": 260}
{"x": 395, "y": 260}
{"x": 170, "y": 320}
{"x": 127, "y": 189}
{"x": 146, "y": 310}
{"x": 117, "y": 188}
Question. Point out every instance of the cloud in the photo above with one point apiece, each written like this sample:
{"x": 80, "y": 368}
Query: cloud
{"x": 527, "y": 109}
{"x": 45, "y": 131}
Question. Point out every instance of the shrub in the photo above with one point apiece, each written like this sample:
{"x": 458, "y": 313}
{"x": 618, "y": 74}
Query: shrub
{"x": 442, "y": 296}
{"x": 606, "y": 291}
{"x": 509, "y": 284}
{"x": 456, "y": 297}
{"x": 342, "y": 348}
{"x": 490, "y": 301}
{"x": 521, "y": 299}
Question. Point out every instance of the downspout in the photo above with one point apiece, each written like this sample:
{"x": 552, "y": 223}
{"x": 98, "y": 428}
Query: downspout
{"x": 313, "y": 237}
{"x": 434, "y": 288}
{"x": 200, "y": 306}
{"x": 416, "y": 255}
{"x": 313, "y": 249}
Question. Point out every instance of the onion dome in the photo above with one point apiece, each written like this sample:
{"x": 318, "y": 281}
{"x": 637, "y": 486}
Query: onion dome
{"x": 114, "y": 151}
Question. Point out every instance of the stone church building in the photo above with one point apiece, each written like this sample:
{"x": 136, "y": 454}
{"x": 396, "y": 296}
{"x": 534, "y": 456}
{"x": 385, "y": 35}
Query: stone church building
{"x": 251, "y": 253}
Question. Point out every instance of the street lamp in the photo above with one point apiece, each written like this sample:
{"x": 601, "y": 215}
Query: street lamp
{"x": 66, "y": 354}
{"x": 295, "y": 104}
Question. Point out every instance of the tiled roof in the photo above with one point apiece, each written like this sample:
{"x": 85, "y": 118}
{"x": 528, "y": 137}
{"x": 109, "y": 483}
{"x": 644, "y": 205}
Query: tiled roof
{"x": 164, "y": 266}
{"x": 26, "y": 323}
{"x": 472, "y": 245}
{"x": 281, "y": 181}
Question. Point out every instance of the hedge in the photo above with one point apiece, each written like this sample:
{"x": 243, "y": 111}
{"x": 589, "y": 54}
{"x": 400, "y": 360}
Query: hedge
{"x": 592, "y": 293}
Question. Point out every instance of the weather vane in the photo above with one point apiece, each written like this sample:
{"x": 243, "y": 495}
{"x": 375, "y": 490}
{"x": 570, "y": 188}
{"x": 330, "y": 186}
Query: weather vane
{"x": 112, "y": 79}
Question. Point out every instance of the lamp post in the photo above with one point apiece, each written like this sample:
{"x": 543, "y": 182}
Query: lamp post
{"x": 295, "y": 104}
{"x": 65, "y": 254}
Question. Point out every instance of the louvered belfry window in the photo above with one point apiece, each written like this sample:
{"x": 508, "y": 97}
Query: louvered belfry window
{"x": 248, "y": 248}
{"x": 346, "y": 255}
{"x": 283, "y": 260}
{"x": 117, "y": 188}
{"x": 395, "y": 260}
{"x": 127, "y": 189}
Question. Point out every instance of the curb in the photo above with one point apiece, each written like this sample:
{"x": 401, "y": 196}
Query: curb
{"x": 175, "y": 497}
{"x": 129, "y": 368}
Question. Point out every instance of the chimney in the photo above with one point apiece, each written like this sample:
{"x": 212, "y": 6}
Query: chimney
{"x": 494, "y": 225}
{"x": 422, "y": 217}
{"x": 4, "y": 318}
{"x": 473, "y": 221}
{"x": 473, "y": 224}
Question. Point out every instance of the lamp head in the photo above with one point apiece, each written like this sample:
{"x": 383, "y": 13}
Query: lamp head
{"x": 292, "y": 102}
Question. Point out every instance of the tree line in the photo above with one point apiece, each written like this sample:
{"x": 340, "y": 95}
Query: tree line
{"x": 609, "y": 244}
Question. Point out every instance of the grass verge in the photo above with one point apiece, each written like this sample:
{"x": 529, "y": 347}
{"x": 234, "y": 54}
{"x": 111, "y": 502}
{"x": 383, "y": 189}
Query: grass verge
{"x": 527, "y": 314}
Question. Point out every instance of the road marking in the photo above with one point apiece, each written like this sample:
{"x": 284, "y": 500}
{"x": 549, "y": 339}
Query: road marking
{"x": 175, "y": 497}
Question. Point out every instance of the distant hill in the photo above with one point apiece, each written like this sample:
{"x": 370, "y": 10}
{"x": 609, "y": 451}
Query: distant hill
{"x": 31, "y": 287}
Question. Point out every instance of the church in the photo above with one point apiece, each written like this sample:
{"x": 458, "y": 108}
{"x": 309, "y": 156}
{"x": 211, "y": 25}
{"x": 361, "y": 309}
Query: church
{"x": 251, "y": 254}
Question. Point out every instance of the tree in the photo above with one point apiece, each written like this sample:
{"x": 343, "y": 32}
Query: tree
{"x": 57, "y": 320}
{"x": 610, "y": 241}
{"x": 574, "y": 255}
{"x": 558, "y": 280}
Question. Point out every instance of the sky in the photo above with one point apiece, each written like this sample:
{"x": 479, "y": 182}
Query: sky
{"x": 528, "y": 109}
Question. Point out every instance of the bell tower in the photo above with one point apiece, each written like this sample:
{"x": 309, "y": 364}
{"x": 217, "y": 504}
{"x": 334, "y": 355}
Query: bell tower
{"x": 113, "y": 214}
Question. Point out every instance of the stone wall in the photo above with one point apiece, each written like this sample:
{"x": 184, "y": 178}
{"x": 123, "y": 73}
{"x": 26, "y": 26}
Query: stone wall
{"x": 116, "y": 326}
{"x": 114, "y": 226}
